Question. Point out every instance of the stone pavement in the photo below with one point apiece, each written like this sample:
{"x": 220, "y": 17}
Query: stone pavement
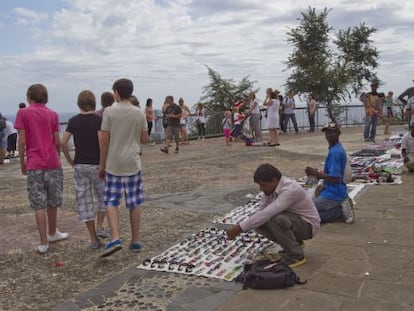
{"x": 364, "y": 266}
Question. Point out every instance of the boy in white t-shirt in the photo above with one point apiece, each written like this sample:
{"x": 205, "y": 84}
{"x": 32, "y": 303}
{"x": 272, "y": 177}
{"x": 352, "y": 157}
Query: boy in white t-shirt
{"x": 124, "y": 129}
{"x": 407, "y": 147}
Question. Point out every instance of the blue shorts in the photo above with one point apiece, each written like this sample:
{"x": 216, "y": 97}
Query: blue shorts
{"x": 132, "y": 186}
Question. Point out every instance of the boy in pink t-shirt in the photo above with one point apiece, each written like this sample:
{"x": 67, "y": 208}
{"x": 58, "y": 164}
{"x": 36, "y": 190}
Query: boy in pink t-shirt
{"x": 38, "y": 131}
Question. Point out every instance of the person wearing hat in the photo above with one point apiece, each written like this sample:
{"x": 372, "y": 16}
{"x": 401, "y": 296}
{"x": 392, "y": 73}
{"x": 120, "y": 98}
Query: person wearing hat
{"x": 372, "y": 106}
{"x": 409, "y": 93}
{"x": 333, "y": 203}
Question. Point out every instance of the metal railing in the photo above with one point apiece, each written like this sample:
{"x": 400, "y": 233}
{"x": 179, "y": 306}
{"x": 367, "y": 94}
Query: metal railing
{"x": 349, "y": 116}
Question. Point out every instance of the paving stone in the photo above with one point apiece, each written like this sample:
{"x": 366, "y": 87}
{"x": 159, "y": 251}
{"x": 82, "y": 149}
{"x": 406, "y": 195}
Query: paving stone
{"x": 211, "y": 302}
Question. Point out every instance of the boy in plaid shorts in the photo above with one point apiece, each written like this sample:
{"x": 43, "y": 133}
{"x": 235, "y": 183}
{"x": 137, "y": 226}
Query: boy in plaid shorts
{"x": 38, "y": 131}
{"x": 85, "y": 128}
{"x": 123, "y": 131}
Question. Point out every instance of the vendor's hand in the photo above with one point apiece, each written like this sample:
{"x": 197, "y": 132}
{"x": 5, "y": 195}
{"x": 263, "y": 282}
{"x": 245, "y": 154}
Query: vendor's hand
{"x": 234, "y": 231}
{"x": 311, "y": 171}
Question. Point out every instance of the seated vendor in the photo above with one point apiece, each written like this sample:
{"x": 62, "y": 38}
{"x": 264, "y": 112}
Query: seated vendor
{"x": 407, "y": 148}
{"x": 333, "y": 203}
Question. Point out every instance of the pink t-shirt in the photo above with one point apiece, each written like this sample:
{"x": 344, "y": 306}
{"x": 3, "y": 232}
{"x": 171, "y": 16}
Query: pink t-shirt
{"x": 40, "y": 123}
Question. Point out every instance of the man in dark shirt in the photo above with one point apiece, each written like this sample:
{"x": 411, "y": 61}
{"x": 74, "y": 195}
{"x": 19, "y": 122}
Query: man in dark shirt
{"x": 173, "y": 115}
{"x": 409, "y": 93}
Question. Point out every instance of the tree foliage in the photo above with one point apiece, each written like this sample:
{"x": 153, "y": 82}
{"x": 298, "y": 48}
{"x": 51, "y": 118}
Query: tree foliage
{"x": 220, "y": 94}
{"x": 332, "y": 69}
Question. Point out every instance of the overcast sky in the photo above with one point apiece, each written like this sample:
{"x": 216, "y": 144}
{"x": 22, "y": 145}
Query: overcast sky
{"x": 163, "y": 46}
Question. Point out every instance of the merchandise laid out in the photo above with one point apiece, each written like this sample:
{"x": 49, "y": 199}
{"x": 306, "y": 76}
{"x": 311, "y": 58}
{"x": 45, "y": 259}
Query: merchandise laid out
{"x": 209, "y": 253}
{"x": 378, "y": 163}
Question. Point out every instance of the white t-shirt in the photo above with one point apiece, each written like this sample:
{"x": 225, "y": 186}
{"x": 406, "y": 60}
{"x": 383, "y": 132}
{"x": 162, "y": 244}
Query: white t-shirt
{"x": 408, "y": 142}
{"x": 125, "y": 123}
{"x": 10, "y": 128}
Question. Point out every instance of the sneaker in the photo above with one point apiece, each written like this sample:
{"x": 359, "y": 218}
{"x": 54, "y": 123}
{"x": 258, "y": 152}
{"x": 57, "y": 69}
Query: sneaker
{"x": 291, "y": 262}
{"x": 347, "y": 207}
{"x": 111, "y": 248}
{"x": 42, "y": 249}
{"x": 282, "y": 252}
{"x": 97, "y": 244}
{"x": 165, "y": 150}
{"x": 176, "y": 150}
{"x": 135, "y": 247}
{"x": 58, "y": 236}
{"x": 102, "y": 233}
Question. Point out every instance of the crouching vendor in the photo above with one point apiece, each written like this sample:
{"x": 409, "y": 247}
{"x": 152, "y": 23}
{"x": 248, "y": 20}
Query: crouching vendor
{"x": 286, "y": 215}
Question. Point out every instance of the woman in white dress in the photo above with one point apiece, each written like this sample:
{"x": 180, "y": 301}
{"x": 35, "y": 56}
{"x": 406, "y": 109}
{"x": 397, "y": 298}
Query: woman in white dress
{"x": 273, "y": 106}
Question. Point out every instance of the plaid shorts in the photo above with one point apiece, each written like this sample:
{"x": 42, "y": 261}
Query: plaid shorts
{"x": 45, "y": 188}
{"x": 132, "y": 186}
{"x": 87, "y": 183}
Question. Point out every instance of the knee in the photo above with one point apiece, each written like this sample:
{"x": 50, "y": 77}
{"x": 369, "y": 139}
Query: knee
{"x": 281, "y": 221}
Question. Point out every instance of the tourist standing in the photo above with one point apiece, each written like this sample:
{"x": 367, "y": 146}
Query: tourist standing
{"x": 311, "y": 112}
{"x": 107, "y": 99}
{"x": 183, "y": 120}
{"x": 150, "y": 116}
{"x": 11, "y": 134}
{"x": 201, "y": 121}
{"x": 289, "y": 112}
{"x": 85, "y": 128}
{"x": 409, "y": 102}
{"x": 389, "y": 103}
{"x": 371, "y": 104}
{"x": 254, "y": 119}
{"x": 173, "y": 114}
{"x": 38, "y": 132}
{"x": 226, "y": 123}
{"x": 123, "y": 131}
{"x": 273, "y": 106}
{"x": 3, "y": 138}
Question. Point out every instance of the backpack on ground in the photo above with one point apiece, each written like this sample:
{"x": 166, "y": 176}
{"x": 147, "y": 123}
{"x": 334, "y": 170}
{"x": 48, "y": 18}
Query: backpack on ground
{"x": 266, "y": 274}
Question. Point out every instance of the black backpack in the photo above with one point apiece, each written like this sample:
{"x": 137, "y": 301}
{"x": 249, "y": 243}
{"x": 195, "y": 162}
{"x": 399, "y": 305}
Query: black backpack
{"x": 266, "y": 274}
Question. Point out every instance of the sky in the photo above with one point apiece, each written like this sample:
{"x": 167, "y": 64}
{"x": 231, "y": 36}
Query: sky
{"x": 164, "y": 46}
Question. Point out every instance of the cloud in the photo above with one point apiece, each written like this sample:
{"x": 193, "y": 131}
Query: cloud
{"x": 164, "y": 45}
{"x": 26, "y": 17}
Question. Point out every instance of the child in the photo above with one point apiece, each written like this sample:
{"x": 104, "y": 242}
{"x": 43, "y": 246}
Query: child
{"x": 123, "y": 130}
{"x": 237, "y": 120}
{"x": 227, "y": 126}
{"x": 85, "y": 129}
{"x": 38, "y": 131}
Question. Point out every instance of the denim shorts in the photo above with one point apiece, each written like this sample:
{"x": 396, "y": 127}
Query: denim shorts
{"x": 45, "y": 188}
{"x": 132, "y": 186}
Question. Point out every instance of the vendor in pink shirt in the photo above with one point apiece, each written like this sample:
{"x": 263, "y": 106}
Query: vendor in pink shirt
{"x": 39, "y": 148}
{"x": 286, "y": 215}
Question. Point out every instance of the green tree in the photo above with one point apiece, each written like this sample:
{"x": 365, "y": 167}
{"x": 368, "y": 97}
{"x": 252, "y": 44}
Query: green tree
{"x": 335, "y": 69}
{"x": 220, "y": 94}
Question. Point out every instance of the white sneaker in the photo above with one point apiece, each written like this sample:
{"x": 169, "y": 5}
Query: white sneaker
{"x": 348, "y": 210}
{"x": 58, "y": 236}
{"x": 42, "y": 249}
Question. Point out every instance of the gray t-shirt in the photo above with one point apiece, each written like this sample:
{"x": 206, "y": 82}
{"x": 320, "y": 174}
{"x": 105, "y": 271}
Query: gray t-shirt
{"x": 125, "y": 123}
{"x": 289, "y": 105}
